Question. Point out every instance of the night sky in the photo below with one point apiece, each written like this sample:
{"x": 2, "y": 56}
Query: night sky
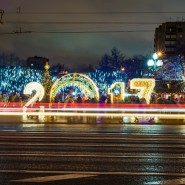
{"x": 74, "y": 49}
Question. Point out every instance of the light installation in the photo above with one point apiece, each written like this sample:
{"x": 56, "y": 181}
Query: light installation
{"x": 34, "y": 86}
{"x": 122, "y": 86}
{"x": 87, "y": 86}
{"x": 89, "y": 89}
{"x": 145, "y": 85}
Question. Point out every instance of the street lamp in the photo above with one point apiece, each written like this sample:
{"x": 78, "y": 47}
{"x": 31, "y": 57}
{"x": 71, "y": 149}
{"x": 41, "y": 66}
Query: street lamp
{"x": 122, "y": 69}
{"x": 155, "y": 62}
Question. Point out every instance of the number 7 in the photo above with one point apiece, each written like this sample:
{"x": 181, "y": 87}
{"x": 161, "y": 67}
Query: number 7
{"x": 145, "y": 85}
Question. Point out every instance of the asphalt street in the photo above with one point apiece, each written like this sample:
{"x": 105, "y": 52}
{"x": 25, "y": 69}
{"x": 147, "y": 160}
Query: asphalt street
{"x": 76, "y": 154}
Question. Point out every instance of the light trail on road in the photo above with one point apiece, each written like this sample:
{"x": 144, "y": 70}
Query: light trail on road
{"x": 74, "y": 114}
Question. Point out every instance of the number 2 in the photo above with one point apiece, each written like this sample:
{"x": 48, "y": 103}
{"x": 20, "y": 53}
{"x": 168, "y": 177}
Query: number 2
{"x": 29, "y": 90}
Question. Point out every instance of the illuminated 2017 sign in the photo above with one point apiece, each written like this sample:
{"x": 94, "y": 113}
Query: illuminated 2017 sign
{"x": 146, "y": 87}
{"x": 89, "y": 88}
{"x": 30, "y": 87}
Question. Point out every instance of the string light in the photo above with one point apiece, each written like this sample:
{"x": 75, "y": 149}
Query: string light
{"x": 146, "y": 87}
{"x": 86, "y": 84}
{"x": 30, "y": 87}
{"x": 122, "y": 86}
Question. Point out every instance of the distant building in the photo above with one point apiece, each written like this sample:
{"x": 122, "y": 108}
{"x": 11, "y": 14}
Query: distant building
{"x": 36, "y": 62}
{"x": 170, "y": 39}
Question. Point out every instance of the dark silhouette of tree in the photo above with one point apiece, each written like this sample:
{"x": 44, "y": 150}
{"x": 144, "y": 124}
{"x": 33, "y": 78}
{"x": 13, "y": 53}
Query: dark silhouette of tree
{"x": 11, "y": 60}
{"x": 115, "y": 61}
{"x": 104, "y": 63}
{"x": 134, "y": 67}
{"x": 90, "y": 68}
{"x": 59, "y": 69}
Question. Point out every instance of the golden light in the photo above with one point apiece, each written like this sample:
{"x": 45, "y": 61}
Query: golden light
{"x": 159, "y": 53}
{"x": 86, "y": 84}
{"x": 122, "y": 85}
{"x": 47, "y": 66}
{"x": 73, "y": 114}
{"x": 146, "y": 85}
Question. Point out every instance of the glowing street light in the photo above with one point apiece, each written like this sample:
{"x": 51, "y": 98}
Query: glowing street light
{"x": 155, "y": 56}
{"x": 150, "y": 63}
{"x": 122, "y": 69}
{"x": 159, "y": 63}
{"x": 155, "y": 61}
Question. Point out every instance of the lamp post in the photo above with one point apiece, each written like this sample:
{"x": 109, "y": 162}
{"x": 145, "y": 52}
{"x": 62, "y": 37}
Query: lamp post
{"x": 155, "y": 62}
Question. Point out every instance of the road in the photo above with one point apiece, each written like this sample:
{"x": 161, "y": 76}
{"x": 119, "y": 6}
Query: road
{"x": 76, "y": 154}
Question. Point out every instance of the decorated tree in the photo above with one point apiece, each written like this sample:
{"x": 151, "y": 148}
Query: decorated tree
{"x": 46, "y": 83}
{"x": 172, "y": 69}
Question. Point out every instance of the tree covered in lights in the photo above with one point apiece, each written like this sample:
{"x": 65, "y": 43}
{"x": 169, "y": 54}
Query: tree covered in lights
{"x": 46, "y": 83}
{"x": 173, "y": 69}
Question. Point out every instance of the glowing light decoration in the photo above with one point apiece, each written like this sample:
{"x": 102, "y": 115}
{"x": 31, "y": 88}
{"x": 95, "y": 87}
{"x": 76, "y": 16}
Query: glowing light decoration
{"x": 122, "y": 85}
{"x": 145, "y": 85}
{"x": 81, "y": 81}
{"x": 30, "y": 87}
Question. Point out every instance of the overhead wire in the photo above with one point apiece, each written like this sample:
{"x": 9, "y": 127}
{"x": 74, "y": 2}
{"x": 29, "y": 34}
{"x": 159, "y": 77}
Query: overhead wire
{"x": 75, "y": 32}
{"x": 87, "y": 22}
{"x": 104, "y": 12}
{"x": 83, "y": 22}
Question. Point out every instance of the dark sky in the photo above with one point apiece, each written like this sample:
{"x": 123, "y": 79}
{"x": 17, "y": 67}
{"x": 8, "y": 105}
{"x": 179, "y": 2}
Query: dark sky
{"x": 74, "y": 49}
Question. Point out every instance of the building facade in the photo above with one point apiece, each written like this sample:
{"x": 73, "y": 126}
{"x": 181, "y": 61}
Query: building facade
{"x": 170, "y": 39}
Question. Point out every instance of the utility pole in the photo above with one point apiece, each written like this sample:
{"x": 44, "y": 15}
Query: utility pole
{"x": 19, "y": 29}
{"x": 1, "y": 16}
{"x": 18, "y": 10}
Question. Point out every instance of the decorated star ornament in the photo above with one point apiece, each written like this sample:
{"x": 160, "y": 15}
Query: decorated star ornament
{"x": 47, "y": 66}
{"x": 74, "y": 75}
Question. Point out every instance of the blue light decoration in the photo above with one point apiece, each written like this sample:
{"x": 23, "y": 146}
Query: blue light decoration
{"x": 14, "y": 79}
{"x": 104, "y": 79}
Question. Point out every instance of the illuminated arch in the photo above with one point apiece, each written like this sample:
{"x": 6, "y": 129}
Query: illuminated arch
{"x": 81, "y": 81}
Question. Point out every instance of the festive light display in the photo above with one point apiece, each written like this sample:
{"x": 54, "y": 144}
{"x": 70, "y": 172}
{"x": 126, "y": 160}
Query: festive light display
{"x": 83, "y": 82}
{"x": 89, "y": 88}
{"x": 122, "y": 86}
{"x": 104, "y": 79}
{"x": 30, "y": 87}
{"x": 46, "y": 83}
{"x": 145, "y": 85}
{"x": 172, "y": 69}
{"x": 14, "y": 79}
